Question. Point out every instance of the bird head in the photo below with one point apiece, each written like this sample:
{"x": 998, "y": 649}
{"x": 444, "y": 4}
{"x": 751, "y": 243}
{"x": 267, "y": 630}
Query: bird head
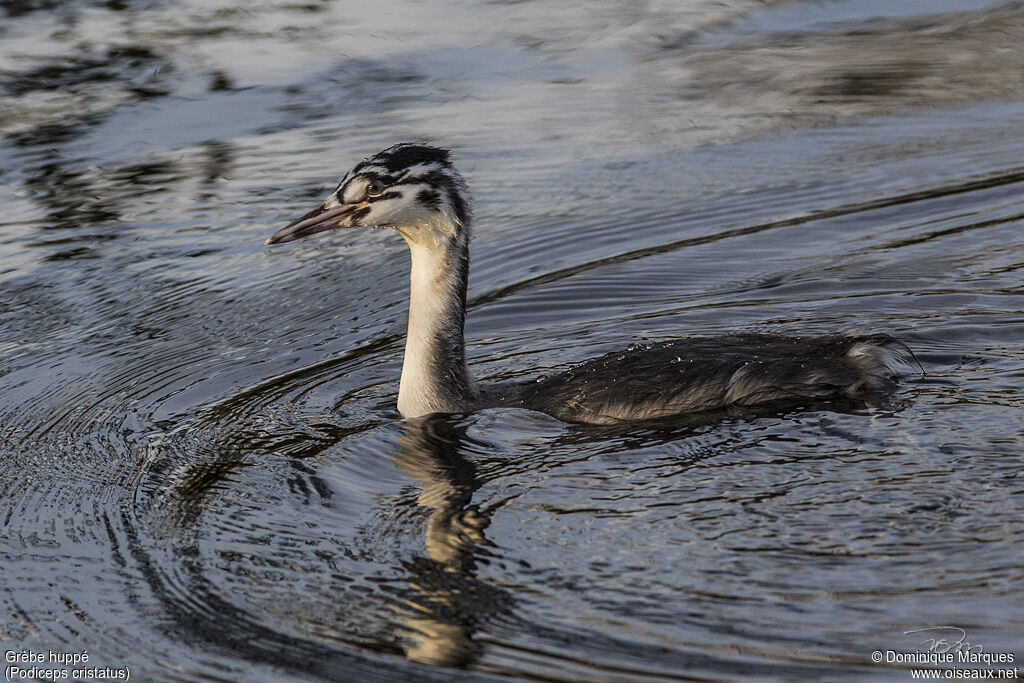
{"x": 412, "y": 188}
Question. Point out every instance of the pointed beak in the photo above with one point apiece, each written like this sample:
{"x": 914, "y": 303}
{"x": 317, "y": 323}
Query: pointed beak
{"x": 317, "y": 220}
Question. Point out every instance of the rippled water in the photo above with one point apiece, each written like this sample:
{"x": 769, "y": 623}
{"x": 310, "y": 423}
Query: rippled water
{"x": 203, "y": 474}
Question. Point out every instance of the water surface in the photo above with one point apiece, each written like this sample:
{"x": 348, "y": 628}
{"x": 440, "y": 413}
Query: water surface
{"x": 203, "y": 474}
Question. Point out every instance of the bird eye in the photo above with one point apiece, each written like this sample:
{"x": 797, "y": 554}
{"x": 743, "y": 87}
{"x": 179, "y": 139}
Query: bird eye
{"x": 374, "y": 188}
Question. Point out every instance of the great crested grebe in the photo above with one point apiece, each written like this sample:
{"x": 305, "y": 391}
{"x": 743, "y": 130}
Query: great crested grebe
{"x": 414, "y": 189}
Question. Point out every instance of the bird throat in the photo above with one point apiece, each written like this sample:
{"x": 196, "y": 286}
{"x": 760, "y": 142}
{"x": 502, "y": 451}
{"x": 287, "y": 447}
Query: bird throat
{"x": 434, "y": 375}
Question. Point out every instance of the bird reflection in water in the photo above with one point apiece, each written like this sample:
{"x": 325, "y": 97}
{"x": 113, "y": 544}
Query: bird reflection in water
{"x": 440, "y": 602}
{"x": 447, "y": 601}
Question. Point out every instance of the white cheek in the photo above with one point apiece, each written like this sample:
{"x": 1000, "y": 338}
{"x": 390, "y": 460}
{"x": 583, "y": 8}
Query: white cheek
{"x": 384, "y": 212}
{"x": 354, "y": 192}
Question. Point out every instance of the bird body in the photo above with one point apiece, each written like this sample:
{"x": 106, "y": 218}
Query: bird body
{"x": 696, "y": 374}
{"x": 415, "y": 190}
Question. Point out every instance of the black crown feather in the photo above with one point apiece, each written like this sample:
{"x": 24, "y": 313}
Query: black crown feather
{"x": 407, "y": 154}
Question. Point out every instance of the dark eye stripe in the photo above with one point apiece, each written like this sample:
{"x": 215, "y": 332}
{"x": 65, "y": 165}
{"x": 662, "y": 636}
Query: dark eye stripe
{"x": 386, "y": 195}
{"x": 431, "y": 198}
{"x": 433, "y": 178}
{"x": 383, "y": 178}
{"x": 439, "y": 182}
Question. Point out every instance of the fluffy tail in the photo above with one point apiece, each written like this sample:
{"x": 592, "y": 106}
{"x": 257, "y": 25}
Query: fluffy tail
{"x": 879, "y": 358}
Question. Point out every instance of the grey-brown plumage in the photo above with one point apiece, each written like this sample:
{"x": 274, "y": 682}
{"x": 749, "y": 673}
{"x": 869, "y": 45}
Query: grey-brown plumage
{"x": 416, "y": 190}
{"x": 659, "y": 380}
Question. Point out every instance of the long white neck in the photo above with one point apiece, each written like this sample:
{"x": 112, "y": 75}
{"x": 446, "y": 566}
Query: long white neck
{"x": 434, "y": 376}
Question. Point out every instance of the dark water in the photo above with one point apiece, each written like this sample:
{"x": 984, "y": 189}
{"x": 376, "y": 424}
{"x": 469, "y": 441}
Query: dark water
{"x": 203, "y": 476}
